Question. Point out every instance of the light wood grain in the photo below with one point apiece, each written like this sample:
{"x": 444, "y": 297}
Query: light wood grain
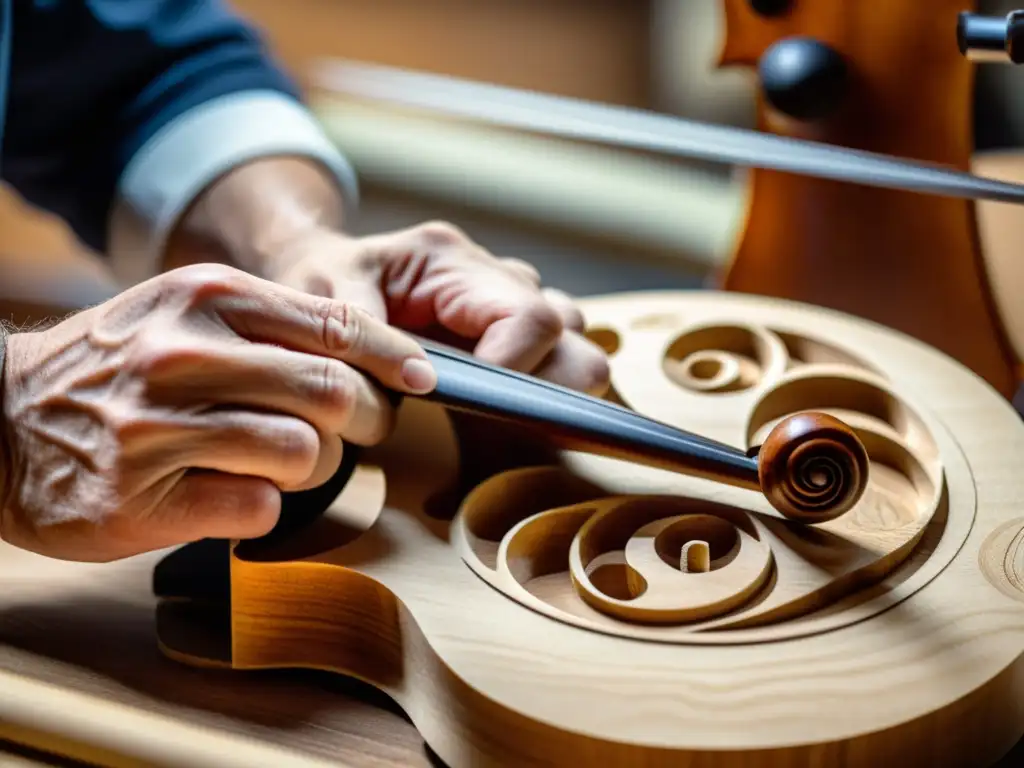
{"x": 488, "y": 680}
{"x": 916, "y": 658}
{"x": 81, "y": 675}
{"x": 1001, "y": 229}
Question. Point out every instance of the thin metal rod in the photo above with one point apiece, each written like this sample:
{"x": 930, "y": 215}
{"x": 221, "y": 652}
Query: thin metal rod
{"x": 637, "y": 129}
{"x": 998, "y": 39}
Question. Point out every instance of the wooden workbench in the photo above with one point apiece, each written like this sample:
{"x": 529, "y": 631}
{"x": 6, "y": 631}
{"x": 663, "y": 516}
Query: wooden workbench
{"x": 93, "y": 648}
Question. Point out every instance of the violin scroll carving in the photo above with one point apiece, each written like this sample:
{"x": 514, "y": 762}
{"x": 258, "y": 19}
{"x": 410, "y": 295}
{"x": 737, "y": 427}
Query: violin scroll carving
{"x": 853, "y": 475}
{"x": 661, "y": 617}
{"x": 813, "y": 468}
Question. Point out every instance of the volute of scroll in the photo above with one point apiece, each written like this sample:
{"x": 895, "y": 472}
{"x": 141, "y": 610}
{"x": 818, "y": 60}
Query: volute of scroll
{"x": 812, "y": 468}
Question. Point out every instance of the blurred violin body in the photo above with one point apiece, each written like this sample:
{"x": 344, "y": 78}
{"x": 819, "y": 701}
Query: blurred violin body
{"x": 887, "y": 78}
{"x": 860, "y": 110}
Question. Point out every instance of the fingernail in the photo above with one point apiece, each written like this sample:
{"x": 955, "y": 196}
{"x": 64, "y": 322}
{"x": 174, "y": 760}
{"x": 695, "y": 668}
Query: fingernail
{"x": 419, "y": 375}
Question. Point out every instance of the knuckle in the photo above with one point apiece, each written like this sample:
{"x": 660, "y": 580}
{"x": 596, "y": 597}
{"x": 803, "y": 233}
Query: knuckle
{"x": 545, "y": 319}
{"x": 441, "y": 233}
{"x": 299, "y": 446}
{"x": 597, "y": 374}
{"x": 382, "y": 427}
{"x": 259, "y": 503}
{"x": 198, "y": 283}
{"x": 335, "y": 389}
{"x": 124, "y": 424}
{"x": 343, "y": 327}
{"x": 522, "y": 268}
{"x": 574, "y": 318}
{"x": 153, "y": 357}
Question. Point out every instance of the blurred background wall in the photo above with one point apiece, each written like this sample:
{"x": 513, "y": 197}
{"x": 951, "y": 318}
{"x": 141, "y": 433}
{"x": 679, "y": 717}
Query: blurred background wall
{"x": 592, "y": 219}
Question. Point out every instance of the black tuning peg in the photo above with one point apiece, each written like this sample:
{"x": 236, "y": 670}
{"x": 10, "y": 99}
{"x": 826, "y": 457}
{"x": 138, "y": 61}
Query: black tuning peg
{"x": 803, "y": 78}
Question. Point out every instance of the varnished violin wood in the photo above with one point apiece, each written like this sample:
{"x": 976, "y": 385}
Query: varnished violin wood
{"x": 911, "y": 262}
{"x": 889, "y": 234}
{"x": 812, "y": 467}
{"x": 590, "y": 610}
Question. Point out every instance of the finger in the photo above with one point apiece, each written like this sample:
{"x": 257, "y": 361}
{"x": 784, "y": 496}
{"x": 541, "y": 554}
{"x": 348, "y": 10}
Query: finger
{"x": 331, "y": 452}
{"x": 328, "y": 394}
{"x": 522, "y": 269}
{"x": 511, "y": 323}
{"x": 281, "y": 449}
{"x": 577, "y": 363}
{"x": 523, "y": 338}
{"x": 495, "y": 302}
{"x": 214, "y": 505}
{"x": 325, "y": 327}
{"x": 572, "y": 317}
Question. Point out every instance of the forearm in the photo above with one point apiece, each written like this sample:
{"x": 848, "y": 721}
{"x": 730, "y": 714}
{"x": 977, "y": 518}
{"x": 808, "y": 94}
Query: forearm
{"x": 249, "y": 216}
{"x": 120, "y": 120}
{"x": 203, "y": 188}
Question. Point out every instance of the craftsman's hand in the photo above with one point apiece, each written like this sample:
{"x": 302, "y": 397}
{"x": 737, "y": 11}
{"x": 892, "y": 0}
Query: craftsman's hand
{"x": 179, "y": 410}
{"x": 434, "y": 281}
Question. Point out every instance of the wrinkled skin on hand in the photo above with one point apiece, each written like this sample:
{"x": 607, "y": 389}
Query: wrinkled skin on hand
{"x": 181, "y": 408}
{"x": 434, "y": 281}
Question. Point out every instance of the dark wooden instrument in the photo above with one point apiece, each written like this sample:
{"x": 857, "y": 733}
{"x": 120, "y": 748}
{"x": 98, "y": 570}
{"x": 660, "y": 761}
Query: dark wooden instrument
{"x": 886, "y": 80}
{"x": 826, "y": 223}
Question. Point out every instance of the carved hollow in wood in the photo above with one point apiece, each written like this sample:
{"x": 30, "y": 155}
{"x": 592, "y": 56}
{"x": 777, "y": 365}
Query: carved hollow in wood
{"x": 563, "y": 599}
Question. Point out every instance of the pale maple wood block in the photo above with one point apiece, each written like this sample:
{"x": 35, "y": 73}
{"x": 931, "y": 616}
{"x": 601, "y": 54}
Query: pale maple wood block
{"x": 548, "y": 619}
{"x": 510, "y": 630}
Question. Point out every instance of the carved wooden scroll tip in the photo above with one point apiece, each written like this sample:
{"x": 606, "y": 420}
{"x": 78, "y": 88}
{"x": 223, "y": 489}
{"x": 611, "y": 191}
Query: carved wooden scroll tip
{"x": 812, "y": 468}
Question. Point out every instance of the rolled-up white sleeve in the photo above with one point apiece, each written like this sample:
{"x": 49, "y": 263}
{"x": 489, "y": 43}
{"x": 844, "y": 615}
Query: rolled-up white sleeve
{"x": 192, "y": 151}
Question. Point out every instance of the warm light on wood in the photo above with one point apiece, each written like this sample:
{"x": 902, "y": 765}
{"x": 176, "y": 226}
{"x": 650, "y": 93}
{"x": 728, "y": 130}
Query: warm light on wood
{"x": 524, "y": 624}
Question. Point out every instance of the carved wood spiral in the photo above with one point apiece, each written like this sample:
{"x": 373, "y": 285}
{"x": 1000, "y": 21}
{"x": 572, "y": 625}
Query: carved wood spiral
{"x": 647, "y": 553}
{"x": 812, "y": 468}
{"x": 587, "y": 609}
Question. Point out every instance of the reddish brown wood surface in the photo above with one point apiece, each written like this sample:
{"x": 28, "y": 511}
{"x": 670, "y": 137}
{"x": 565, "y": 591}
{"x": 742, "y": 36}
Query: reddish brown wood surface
{"x": 912, "y": 262}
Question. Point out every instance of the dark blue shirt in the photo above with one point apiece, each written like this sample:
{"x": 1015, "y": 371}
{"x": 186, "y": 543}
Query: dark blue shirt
{"x": 86, "y": 83}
